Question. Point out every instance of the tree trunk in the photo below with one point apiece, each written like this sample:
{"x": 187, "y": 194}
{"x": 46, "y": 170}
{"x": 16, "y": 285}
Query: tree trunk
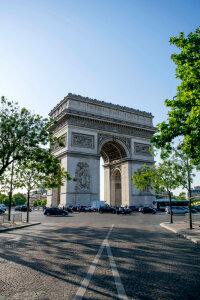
{"x": 28, "y": 201}
{"x": 189, "y": 198}
{"x": 10, "y": 193}
{"x": 170, "y": 206}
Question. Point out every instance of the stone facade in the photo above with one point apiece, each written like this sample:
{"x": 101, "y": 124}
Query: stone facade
{"x": 90, "y": 129}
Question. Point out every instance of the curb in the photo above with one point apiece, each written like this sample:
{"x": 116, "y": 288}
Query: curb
{"x": 182, "y": 234}
{"x": 19, "y": 227}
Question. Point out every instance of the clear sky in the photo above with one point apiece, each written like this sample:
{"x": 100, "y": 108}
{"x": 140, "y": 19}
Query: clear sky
{"x": 112, "y": 50}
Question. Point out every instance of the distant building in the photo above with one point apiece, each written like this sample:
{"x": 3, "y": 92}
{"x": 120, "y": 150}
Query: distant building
{"x": 40, "y": 194}
{"x": 195, "y": 191}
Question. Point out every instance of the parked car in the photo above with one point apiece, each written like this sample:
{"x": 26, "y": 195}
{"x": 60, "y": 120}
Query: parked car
{"x": 177, "y": 210}
{"x": 197, "y": 207}
{"x": 123, "y": 211}
{"x": 107, "y": 209}
{"x": 22, "y": 208}
{"x": 134, "y": 207}
{"x": 140, "y": 208}
{"x": 55, "y": 211}
{"x": 89, "y": 209}
{"x": 2, "y": 206}
{"x": 148, "y": 210}
{"x": 2, "y": 211}
{"x": 69, "y": 209}
{"x": 82, "y": 208}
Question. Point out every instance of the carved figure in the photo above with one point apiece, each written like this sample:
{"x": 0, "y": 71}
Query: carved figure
{"x": 83, "y": 176}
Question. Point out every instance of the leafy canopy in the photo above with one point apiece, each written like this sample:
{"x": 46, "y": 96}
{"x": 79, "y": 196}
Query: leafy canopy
{"x": 21, "y": 133}
{"x": 166, "y": 176}
{"x": 184, "y": 117}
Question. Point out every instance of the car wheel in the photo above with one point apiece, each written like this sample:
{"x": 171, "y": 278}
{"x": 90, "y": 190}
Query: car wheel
{"x": 48, "y": 214}
{"x": 100, "y": 212}
{"x": 143, "y": 212}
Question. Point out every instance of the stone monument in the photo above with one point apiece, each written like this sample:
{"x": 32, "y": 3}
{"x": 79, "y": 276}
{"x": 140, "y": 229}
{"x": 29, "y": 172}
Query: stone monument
{"x": 91, "y": 129}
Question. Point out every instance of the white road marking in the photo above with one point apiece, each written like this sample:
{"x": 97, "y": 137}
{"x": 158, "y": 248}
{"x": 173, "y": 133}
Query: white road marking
{"x": 85, "y": 283}
{"x": 118, "y": 283}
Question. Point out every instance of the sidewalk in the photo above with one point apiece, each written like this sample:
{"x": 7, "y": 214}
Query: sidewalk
{"x": 182, "y": 229}
{"x": 12, "y": 226}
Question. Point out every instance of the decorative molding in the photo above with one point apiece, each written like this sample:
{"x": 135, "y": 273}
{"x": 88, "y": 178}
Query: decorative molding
{"x": 142, "y": 149}
{"x": 82, "y": 176}
{"x": 82, "y": 140}
{"x": 104, "y": 126}
{"x": 124, "y": 140}
{"x": 97, "y": 102}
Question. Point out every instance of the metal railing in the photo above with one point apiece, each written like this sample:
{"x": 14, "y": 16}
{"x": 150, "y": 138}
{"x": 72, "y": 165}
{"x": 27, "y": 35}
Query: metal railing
{"x": 13, "y": 218}
{"x": 195, "y": 218}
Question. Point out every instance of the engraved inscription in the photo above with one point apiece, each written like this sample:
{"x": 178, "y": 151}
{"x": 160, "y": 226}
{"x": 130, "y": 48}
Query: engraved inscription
{"x": 82, "y": 140}
{"x": 142, "y": 149}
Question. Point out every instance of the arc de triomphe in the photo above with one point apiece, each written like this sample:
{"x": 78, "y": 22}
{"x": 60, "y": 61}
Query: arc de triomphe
{"x": 92, "y": 129}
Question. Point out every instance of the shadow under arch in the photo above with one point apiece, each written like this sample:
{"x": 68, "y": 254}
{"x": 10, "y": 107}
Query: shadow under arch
{"x": 112, "y": 149}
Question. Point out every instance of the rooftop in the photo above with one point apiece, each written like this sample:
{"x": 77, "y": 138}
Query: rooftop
{"x": 99, "y": 102}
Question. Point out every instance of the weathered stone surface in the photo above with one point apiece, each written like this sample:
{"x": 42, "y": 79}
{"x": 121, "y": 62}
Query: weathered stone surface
{"x": 91, "y": 129}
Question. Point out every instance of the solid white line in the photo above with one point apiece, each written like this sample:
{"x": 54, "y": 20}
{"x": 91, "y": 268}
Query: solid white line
{"x": 118, "y": 283}
{"x": 81, "y": 291}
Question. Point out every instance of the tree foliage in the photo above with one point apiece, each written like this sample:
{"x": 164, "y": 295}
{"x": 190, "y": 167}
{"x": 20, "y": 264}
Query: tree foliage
{"x": 22, "y": 135}
{"x": 19, "y": 199}
{"x": 184, "y": 117}
{"x": 166, "y": 176}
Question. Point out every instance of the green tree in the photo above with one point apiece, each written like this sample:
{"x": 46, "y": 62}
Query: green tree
{"x": 186, "y": 165}
{"x": 184, "y": 116}
{"x": 166, "y": 176}
{"x": 45, "y": 174}
{"x": 44, "y": 203}
{"x": 9, "y": 182}
{"x": 35, "y": 203}
{"x": 181, "y": 196}
{"x": 22, "y": 134}
{"x": 19, "y": 199}
{"x": 2, "y": 196}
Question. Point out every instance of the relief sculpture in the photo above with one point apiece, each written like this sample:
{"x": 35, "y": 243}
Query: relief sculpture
{"x": 82, "y": 140}
{"x": 142, "y": 149}
{"x": 82, "y": 176}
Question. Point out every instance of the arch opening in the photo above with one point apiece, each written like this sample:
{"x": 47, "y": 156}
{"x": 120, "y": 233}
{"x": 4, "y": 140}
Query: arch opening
{"x": 112, "y": 151}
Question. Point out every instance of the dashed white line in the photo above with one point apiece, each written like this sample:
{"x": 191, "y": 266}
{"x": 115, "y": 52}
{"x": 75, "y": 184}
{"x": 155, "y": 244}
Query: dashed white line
{"x": 85, "y": 283}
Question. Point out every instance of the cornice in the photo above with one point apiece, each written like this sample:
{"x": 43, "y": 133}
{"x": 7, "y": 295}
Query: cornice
{"x": 67, "y": 113}
{"x": 101, "y": 103}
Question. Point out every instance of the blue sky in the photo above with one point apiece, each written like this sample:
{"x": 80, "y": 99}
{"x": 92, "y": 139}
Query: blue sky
{"x": 114, "y": 50}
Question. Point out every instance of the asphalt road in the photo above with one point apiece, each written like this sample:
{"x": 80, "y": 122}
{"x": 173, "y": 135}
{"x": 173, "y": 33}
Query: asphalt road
{"x": 97, "y": 256}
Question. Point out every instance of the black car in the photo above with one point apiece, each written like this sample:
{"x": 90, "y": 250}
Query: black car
{"x": 22, "y": 208}
{"x": 148, "y": 210}
{"x": 107, "y": 209}
{"x": 123, "y": 211}
{"x": 69, "y": 209}
{"x": 55, "y": 211}
{"x": 134, "y": 207}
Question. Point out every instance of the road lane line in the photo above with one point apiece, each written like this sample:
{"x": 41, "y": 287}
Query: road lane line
{"x": 118, "y": 283}
{"x": 84, "y": 285}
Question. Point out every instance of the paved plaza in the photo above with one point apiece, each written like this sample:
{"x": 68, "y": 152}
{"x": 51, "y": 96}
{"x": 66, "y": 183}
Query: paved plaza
{"x": 93, "y": 256}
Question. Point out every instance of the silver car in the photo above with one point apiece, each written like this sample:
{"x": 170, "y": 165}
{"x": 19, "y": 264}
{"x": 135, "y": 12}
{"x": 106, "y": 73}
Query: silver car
{"x": 177, "y": 210}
